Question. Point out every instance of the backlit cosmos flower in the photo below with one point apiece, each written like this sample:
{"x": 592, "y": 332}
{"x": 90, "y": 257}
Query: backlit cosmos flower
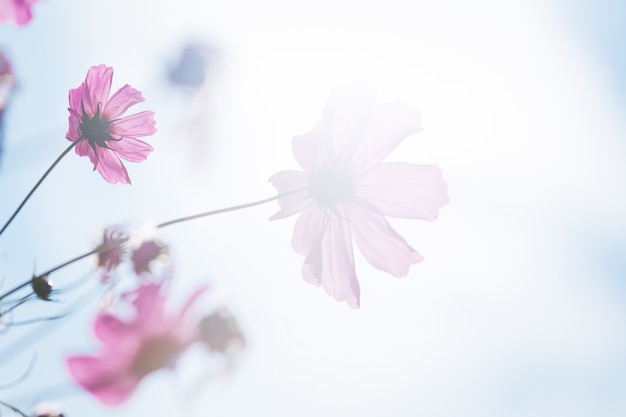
{"x": 17, "y": 11}
{"x": 133, "y": 348}
{"x": 102, "y": 133}
{"x": 349, "y": 191}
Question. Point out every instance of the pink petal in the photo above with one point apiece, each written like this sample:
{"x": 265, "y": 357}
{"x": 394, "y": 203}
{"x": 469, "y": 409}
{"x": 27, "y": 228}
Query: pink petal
{"x": 130, "y": 149}
{"x": 111, "y": 167}
{"x": 103, "y": 378}
{"x": 309, "y": 230}
{"x": 331, "y": 262}
{"x": 72, "y": 132}
{"x": 117, "y": 335}
{"x": 121, "y": 100}
{"x": 388, "y": 126}
{"x": 348, "y": 111}
{"x": 287, "y": 181}
{"x": 150, "y": 306}
{"x": 313, "y": 149}
{"x": 84, "y": 149}
{"x": 382, "y": 246}
{"x": 136, "y": 125}
{"x": 186, "y": 327}
{"x": 404, "y": 190}
{"x": 98, "y": 83}
{"x": 19, "y": 11}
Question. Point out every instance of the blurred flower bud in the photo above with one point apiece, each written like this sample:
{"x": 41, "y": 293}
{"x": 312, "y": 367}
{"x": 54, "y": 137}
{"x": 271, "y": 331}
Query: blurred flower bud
{"x": 146, "y": 253}
{"x": 221, "y": 332}
{"x": 192, "y": 67}
{"x": 42, "y": 287}
{"x": 113, "y": 251}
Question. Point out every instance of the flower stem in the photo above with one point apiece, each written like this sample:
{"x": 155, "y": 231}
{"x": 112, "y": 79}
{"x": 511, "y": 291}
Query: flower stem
{"x": 69, "y": 148}
{"x": 118, "y": 242}
{"x": 227, "y": 209}
{"x": 99, "y": 249}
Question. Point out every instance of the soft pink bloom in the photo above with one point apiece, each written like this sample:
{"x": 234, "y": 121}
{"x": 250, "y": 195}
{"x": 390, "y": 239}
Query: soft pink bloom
{"x": 103, "y": 134}
{"x": 349, "y": 191}
{"x": 114, "y": 251}
{"x": 132, "y": 348}
{"x": 17, "y": 11}
{"x": 148, "y": 252}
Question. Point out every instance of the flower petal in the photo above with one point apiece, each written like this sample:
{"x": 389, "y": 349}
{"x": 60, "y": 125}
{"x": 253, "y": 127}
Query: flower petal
{"x": 309, "y": 230}
{"x": 313, "y": 148}
{"x": 117, "y": 335}
{"x": 105, "y": 379}
{"x": 98, "y": 83}
{"x": 331, "y": 262}
{"x": 84, "y": 149}
{"x": 121, "y": 101}
{"x": 404, "y": 190}
{"x": 149, "y": 303}
{"x": 382, "y": 246}
{"x": 285, "y": 182}
{"x": 130, "y": 149}
{"x": 348, "y": 110}
{"x": 388, "y": 126}
{"x": 136, "y": 125}
{"x": 111, "y": 167}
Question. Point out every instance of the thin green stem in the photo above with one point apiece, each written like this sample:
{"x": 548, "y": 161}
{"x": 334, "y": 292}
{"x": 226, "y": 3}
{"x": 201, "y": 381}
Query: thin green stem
{"x": 69, "y": 148}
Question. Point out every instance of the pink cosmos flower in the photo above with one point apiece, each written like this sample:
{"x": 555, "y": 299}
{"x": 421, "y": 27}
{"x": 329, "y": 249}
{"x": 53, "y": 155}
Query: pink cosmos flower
{"x": 148, "y": 252}
{"x": 17, "y": 11}
{"x": 133, "y": 348}
{"x": 103, "y": 134}
{"x": 349, "y": 191}
{"x": 111, "y": 257}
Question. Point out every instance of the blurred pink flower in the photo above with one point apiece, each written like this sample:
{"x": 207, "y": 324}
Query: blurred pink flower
{"x": 131, "y": 349}
{"x": 17, "y": 11}
{"x": 104, "y": 135}
{"x": 113, "y": 254}
{"x": 350, "y": 191}
{"x": 146, "y": 253}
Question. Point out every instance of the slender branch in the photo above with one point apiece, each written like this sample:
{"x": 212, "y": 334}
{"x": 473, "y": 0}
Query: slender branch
{"x": 69, "y": 148}
{"x": 120, "y": 241}
{"x": 227, "y": 209}
{"x": 99, "y": 249}
{"x": 14, "y": 409}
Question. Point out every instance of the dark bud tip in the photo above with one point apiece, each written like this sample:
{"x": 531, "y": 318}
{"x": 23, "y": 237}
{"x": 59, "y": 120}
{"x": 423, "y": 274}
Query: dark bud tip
{"x": 42, "y": 287}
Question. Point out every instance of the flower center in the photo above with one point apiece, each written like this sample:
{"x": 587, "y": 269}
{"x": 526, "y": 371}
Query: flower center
{"x": 95, "y": 129}
{"x": 154, "y": 354}
{"x": 330, "y": 187}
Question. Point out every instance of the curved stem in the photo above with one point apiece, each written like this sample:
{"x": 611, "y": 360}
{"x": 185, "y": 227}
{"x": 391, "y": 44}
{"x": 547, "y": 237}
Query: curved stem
{"x": 43, "y": 177}
{"x": 120, "y": 241}
{"x": 99, "y": 249}
{"x": 227, "y": 209}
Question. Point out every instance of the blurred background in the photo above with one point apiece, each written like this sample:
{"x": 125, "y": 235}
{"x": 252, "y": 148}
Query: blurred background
{"x": 518, "y": 307}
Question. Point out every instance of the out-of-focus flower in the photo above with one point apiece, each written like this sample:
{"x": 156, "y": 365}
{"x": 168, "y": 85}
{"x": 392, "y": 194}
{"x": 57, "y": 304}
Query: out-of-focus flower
{"x": 103, "y": 134}
{"x": 133, "y": 348}
{"x": 350, "y": 191}
{"x": 113, "y": 252}
{"x": 221, "y": 332}
{"x": 42, "y": 287}
{"x": 7, "y": 85}
{"x": 17, "y": 11}
{"x": 148, "y": 252}
{"x": 47, "y": 409}
{"x": 192, "y": 68}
